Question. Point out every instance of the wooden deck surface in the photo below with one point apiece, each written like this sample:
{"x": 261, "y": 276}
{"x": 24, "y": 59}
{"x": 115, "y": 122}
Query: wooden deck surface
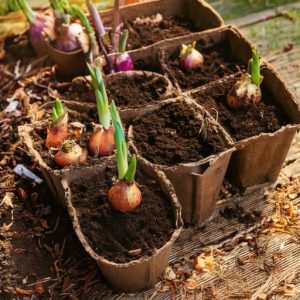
{"x": 275, "y": 30}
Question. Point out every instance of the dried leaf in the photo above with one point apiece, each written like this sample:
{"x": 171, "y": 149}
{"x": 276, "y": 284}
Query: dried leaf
{"x": 170, "y": 274}
{"x": 190, "y": 284}
{"x": 20, "y": 291}
{"x": 290, "y": 290}
{"x": 6, "y": 227}
{"x": 7, "y": 200}
{"x": 204, "y": 263}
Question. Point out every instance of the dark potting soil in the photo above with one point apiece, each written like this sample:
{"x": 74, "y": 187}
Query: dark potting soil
{"x": 265, "y": 117}
{"x": 113, "y": 234}
{"x": 171, "y": 136}
{"x": 40, "y": 133}
{"x": 217, "y": 64}
{"x": 136, "y": 91}
{"x": 18, "y": 47}
{"x": 144, "y": 32}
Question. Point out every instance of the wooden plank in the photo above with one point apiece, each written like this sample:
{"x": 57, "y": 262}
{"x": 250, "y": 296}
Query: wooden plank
{"x": 234, "y": 9}
{"x": 278, "y": 40}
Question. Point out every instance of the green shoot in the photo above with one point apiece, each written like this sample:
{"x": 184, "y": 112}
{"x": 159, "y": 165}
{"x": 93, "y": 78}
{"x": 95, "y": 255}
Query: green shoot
{"x": 125, "y": 171}
{"x": 27, "y": 10}
{"x": 78, "y": 13}
{"x": 58, "y": 112}
{"x": 254, "y": 68}
{"x": 101, "y": 95}
{"x": 59, "y": 11}
{"x": 123, "y": 41}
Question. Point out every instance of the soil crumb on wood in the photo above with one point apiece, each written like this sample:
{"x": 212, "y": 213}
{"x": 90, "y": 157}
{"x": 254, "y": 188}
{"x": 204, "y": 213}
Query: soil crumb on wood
{"x": 217, "y": 64}
{"x": 171, "y": 136}
{"x": 113, "y": 234}
{"x": 265, "y": 117}
{"x": 248, "y": 218}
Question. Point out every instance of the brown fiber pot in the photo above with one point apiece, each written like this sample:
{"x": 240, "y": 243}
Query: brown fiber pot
{"x": 197, "y": 11}
{"x": 196, "y": 184}
{"x": 130, "y": 113}
{"x": 260, "y": 158}
{"x": 52, "y": 176}
{"x": 40, "y": 47}
{"x": 70, "y": 64}
{"x": 127, "y": 114}
{"x": 138, "y": 274}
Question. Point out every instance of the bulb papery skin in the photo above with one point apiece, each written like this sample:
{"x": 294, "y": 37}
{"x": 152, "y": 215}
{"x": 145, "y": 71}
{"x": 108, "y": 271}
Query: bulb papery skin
{"x": 42, "y": 23}
{"x": 68, "y": 39}
{"x": 74, "y": 156}
{"x": 101, "y": 142}
{"x": 244, "y": 93}
{"x": 55, "y": 136}
{"x": 124, "y": 196}
{"x": 124, "y": 62}
{"x": 192, "y": 60}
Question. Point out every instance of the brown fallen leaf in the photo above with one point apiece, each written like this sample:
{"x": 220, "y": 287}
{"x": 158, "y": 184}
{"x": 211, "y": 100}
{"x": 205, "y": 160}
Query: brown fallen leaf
{"x": 204, "y": 263}
{"x": 190, "y": 284}
{"x": 20, "y": 291}
{"x": 7, "y": 200}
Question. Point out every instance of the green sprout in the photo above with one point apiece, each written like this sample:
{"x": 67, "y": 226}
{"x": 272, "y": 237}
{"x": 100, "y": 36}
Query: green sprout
{"x": 27, "y": 10}
{"x": 123, "y": 41}
{"x": 78, "y": 13}
{"x": 254, "y": 68}
{"x": 125, "y": 171}
{"x": 101, "y": 94}
{"x": 58, "y": 112}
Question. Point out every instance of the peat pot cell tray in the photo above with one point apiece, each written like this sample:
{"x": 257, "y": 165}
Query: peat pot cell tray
{"x": 190, "y": 149}
{"x": 262, "y": 133}
{"x": 224, "y": 51}
{"x": 131, "y": 249}
{"x": 154, "y": 21}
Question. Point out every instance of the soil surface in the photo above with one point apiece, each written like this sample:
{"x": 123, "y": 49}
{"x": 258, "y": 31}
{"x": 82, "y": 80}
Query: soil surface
{"x": 113, "y": 234}
{"x": 265, "y": 117}
{"x": 145, "y": 31}
{"x": 136, "y": 91}
{"x": 171, "y": 136}
{"x": 217, "y": 64}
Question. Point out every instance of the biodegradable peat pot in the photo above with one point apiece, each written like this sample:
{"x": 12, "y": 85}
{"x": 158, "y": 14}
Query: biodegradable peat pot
{"x": 33, "y": 137}
{"x": 184, "y": 16}
{"x": 104, "y": 232}
{"x": 260, "y": 158}
{"x": 39, "y": 46}
{"x": 262, "y": 134}
{"x": 224, "y": 49}
{"x": 136, "y": 92}
{"x": 70, "y": 64}
{"x": 173, "y": 143}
